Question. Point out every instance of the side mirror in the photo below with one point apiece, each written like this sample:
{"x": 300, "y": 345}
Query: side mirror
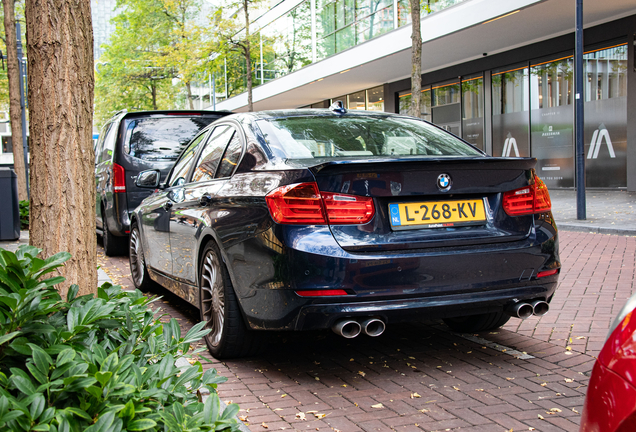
{"x": 148, "y": 179}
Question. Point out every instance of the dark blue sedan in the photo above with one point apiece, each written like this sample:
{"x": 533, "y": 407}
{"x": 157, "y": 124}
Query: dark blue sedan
{"x": 317, "y": 219}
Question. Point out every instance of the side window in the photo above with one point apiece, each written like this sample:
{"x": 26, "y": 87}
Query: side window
{"x": 180, "y": 170}
{"x": 230, "y": 157}
{"x": 105, "y": 148}
{"x": 100, "y": 142}
{"x": 211, "y": 154}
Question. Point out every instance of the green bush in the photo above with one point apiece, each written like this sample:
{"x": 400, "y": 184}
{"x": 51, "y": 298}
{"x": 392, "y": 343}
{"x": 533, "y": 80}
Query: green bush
{"x": 24, "y": 215}
{"x": 95, "y": 364}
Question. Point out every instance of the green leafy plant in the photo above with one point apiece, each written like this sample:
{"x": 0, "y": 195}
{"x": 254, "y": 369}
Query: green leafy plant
{"x": 95, "y": 364}
{"x": 24, "y": 214}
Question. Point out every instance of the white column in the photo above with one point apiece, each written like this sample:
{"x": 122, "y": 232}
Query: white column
{"x": 395, "y": 14}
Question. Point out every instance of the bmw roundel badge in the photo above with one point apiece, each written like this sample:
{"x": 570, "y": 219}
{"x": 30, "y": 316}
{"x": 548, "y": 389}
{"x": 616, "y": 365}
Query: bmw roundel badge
{"x": 444, "y": 182}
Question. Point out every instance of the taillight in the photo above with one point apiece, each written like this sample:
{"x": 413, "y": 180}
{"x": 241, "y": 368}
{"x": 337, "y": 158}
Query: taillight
{"x": 304, "y": 204}
{"x": 531, "y": 199}
{"x": 547, "y": 273}
{"x": 119, "y": 178}
{"x": 348, "y": 209}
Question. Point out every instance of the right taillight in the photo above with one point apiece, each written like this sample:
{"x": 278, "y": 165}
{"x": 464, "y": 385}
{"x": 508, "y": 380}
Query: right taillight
{"x": 304, "y": 204}
{"x": 530, "y": 199}
{"x": 119, "y": 178}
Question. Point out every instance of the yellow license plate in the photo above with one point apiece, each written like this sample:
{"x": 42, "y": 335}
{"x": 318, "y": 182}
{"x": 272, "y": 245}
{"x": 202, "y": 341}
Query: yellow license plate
{"x": 437, "y": 214}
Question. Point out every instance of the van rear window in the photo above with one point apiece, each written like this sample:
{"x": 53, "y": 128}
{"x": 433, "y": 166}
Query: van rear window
{"x": 162, "y": 138}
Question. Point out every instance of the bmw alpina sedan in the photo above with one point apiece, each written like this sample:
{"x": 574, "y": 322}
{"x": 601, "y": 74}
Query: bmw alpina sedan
{"x": 318, "y": 219}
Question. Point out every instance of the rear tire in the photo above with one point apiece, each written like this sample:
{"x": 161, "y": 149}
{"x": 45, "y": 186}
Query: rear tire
{"x": 113, "y": 245}
{"x": 219, "y": 307}
{"x": 477, "y": 323}
{"x": 138, "y": 271}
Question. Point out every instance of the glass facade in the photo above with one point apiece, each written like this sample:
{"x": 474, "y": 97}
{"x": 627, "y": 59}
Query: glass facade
{"x": 510, "y": 93}
{"x": 286, "y": 44}
{"x": 532, "y": 114}
{"x": 371, "y": 99}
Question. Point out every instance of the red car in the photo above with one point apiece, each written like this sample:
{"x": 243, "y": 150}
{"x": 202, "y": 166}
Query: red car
{"x": 610, "y": 404}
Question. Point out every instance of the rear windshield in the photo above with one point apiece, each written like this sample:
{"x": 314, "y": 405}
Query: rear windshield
{"x": 162, "y": 138}
{"x": 357, "y": 136}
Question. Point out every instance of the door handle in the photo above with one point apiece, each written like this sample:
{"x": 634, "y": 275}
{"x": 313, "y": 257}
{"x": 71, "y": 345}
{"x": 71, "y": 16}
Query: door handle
{"x": 205, "y": 200}
{"x": 167, "y": 206}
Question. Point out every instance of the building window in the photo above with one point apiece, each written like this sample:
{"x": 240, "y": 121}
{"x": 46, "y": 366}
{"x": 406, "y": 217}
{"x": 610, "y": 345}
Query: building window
{"x": 425, "y": 103}
{"x": 375, "y": 99}
{"x": 510, "y": 91}
{"x": 357, "y": 100}
{"x": 473, "y": 110}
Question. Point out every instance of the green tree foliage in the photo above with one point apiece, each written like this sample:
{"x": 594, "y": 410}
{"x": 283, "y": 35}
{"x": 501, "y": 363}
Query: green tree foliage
{"x": 154, "y": 43}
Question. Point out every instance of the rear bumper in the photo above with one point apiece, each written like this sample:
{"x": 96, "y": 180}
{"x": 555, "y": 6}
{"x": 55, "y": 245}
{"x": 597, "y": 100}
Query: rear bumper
{"x": 395, "y": 286}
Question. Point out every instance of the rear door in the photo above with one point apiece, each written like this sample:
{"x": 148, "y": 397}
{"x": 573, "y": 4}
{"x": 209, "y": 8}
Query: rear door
{"x": 215, "y": 164}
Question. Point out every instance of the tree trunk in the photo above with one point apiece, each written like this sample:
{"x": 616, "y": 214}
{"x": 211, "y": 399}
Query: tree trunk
{"x": 15, "y": 113}
{"x": 61, "y": 85}
{"x": 248, "y": 58}
{"x": 416, "y": 61}
{"x": 189, "y": 95}
{"x": 153, "y": 89}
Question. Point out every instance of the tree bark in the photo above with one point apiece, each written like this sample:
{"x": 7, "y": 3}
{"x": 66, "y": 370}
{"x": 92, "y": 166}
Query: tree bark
{"x": 189, "y": 95}
{"x": 248, "y": 58}
{"x": 13, "y": 71}
{"x": 416, "y": 60}
{"x": 61, "y": 85}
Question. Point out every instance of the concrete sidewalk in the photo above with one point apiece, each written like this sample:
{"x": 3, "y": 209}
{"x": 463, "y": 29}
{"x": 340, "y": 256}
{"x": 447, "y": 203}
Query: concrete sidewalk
{"x": 607, "y": 212}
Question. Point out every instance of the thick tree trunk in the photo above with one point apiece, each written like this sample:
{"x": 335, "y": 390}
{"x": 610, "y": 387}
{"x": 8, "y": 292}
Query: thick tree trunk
{"x": 15, "y": 113}
{"x": 248, "y": 58}
{"x": 416, "y": 61}
{"x": 61, "y": 85}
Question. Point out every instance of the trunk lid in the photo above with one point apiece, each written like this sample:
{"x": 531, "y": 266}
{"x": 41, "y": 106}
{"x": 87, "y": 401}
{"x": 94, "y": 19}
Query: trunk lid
{"x": 429, "y": 202}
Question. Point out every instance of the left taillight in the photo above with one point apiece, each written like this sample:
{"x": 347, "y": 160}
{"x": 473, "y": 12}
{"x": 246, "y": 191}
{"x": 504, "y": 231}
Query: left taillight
{"x": 531, "y": 199}
{"x": 119, "y": 178}
{"x": 304, "y": 204}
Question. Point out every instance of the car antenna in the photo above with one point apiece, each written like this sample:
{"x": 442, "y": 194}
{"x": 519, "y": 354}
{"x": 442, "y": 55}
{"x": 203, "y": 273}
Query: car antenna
{"x": 338, "y": 107}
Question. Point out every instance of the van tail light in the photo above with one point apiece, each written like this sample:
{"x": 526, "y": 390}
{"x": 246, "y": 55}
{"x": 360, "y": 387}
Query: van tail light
{"x": 531, "y": 199}
{"x": 304, "y": 204}
{"x": 119, "y": 178}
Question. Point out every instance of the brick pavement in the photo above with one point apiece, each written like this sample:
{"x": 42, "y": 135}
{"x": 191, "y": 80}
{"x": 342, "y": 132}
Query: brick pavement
{"x": 423, "y": 377}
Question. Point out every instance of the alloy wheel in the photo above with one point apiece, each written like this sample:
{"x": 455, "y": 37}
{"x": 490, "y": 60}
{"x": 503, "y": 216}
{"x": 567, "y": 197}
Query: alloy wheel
{"x": 213, "y": 297}
{"x": 137, "y": 266}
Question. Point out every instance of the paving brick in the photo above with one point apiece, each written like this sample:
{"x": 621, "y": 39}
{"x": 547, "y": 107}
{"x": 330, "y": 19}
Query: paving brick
{"x": 597, "y": 277}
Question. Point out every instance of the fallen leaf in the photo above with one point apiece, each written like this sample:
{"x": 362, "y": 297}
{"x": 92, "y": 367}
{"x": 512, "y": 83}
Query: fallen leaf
{"x": 301, "y": 416}
{"x": 243, "y": 418}
{"x": 580, "y": 337}
{"x": 283, "y": 395}
{"x": 311, "y": 412}
{"x": 479, "y": 390}
{"x": 568, "y": 348}
{"x": 344, "y": 385}
{"x": 377, "y": 406}
{"x": 556, "y": 410}
{"x": 317, "y": 379}
{"x": 320, "y": 416}
{"x": 415, "y": 395}
{"x": 509, "y": 379}
{"x": 575, "y": 411}
{"x": 361, "y": 373}
{"x": 540, "y": 417}
{"x": 456, "y": 388}
{"x": 264, "y": 425}
{"x": 544, "y": 384}
{"x": 569, "y": 380}
{"x": 278, "y": 409}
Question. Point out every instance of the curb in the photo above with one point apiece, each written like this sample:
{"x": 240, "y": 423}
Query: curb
{"x": 595, "y": 229}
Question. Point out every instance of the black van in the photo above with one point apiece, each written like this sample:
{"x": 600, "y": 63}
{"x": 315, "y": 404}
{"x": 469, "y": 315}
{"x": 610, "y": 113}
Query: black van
{"x": 130, "y": 143}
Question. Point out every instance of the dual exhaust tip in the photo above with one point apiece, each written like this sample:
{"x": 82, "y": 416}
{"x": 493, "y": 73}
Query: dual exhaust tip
{"x": 350, "y": 328}
{"x": 525, "y": 310}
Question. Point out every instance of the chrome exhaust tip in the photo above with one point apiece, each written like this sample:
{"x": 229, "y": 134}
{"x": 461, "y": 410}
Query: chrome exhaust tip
{"x": 373, "y": 327}
{"x": 520, "y": 310}
{"x": 540, "y": 307}
{"x": 347, "y": 328}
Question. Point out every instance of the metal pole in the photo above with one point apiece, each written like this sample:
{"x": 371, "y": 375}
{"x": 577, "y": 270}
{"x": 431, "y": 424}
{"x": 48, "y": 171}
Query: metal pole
{"x": 578, "y": 114}
{"x": 22, "y": 106}
{"x": 225, "y": 66}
